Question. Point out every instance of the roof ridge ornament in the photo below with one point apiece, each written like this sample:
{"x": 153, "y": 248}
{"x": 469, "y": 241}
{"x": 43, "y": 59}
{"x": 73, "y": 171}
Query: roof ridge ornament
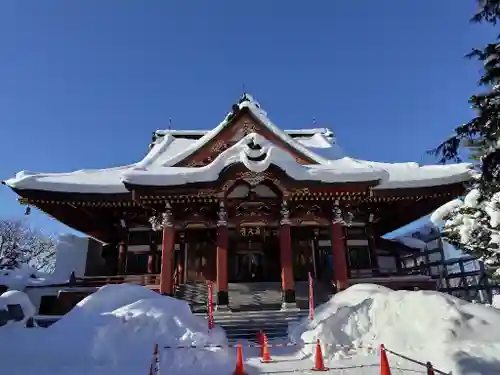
{"x": 245, "y": 97}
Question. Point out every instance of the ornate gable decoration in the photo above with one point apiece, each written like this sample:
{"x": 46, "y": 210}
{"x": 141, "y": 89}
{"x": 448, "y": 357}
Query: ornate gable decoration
{"x": 240, "y": 122}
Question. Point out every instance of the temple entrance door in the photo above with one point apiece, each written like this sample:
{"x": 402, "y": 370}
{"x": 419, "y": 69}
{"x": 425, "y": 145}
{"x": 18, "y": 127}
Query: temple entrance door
{"x": 249, "y": 266}
{"x": 255, "y": 258}
{"x": 303, "y": 255}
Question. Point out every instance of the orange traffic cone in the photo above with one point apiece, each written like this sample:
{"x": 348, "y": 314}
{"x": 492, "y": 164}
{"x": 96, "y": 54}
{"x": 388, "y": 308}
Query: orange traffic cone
{"x": 319, "y": 364}
{"x": 384, "y": 363}
{"x": 266, "y": 357}
{"x": 430, "y": 369}
{"x": 240, "y": 365}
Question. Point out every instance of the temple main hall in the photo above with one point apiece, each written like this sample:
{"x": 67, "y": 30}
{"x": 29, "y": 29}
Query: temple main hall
{"x": 244, "y": 203}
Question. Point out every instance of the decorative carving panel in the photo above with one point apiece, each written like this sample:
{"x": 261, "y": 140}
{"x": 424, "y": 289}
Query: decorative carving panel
{"x": 230, "y": 135}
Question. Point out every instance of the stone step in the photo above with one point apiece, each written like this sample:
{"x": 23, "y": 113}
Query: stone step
{"x": 245, "y": 325}
{"x": 252, "y": 296}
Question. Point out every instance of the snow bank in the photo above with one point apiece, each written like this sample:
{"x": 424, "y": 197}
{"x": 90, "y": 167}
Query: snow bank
{"x": 17, "y": 278}
{"x": 115, "y": 329}
{"x": 429, "y": 326}
{"x": 496, "y": 301}
{"x": 15, "y": 297}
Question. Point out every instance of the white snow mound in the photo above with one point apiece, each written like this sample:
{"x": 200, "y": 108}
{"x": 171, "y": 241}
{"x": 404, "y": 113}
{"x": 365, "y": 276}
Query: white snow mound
{"x": 496, "y": 301}
{"x": 116, "y": 328}
{"x": 428, "y": 326}
{"x": 16, "y": 297}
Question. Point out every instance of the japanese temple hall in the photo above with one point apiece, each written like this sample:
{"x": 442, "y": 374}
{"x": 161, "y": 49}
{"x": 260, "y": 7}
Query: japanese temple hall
{"x": 245, "y": 202}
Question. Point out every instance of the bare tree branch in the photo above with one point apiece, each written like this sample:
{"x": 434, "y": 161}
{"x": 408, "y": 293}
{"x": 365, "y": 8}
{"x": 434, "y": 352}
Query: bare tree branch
{"x": 20, "y": 244}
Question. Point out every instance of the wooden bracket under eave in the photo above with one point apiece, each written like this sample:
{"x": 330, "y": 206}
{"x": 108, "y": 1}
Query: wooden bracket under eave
{"x": 139, "y": 202}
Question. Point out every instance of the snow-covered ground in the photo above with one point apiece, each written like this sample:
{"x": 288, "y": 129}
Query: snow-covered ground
{"x": 427, "y": 326}
{"x": 114, "y": 332}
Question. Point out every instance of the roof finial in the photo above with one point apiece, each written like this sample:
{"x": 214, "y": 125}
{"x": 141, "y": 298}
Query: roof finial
{"x": 170, "y": 123}
{"x": 243, "y": 88}
{"x": 314, "y": 121}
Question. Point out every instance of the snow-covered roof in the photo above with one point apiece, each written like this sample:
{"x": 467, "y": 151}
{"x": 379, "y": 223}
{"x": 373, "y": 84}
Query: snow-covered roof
{"x": 99, "y": 181}
{"x": 339, "y": 170}
{"x": 170, "y": 148}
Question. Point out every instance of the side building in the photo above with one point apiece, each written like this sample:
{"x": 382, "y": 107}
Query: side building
{"x": 246, "y": 202}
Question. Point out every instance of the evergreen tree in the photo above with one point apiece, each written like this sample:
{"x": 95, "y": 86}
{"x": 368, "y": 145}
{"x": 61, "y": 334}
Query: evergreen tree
{"x": 473, "y": 224}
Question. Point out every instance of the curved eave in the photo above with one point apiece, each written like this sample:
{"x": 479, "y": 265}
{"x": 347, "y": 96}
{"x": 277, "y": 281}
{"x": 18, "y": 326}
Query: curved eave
{"x": 229, "y": 173}
{"x": 81, "y": 219}
{"x": 202, "y": 188}
{"x": 95, "y": 181}
{"x": 59, "y": 197}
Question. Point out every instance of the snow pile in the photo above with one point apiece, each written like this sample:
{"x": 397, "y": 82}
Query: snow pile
{"x": 15, "y": 297}
{"x": 115, "y": 329}
{"x": 428, "y": 326}
{"x": 496, "y": 301}
{"x": 18, "y": 278}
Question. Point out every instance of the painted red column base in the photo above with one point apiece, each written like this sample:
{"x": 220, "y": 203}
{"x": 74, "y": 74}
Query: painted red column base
{"x": 287, "y": 281}
{"x": 222, "y": 278}
{"x": 167, "y": 246}
{"x": 340, "y": 271}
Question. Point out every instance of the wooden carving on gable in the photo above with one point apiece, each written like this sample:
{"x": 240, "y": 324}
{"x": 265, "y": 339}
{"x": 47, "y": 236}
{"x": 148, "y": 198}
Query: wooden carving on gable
{"x": 240, "y": 123}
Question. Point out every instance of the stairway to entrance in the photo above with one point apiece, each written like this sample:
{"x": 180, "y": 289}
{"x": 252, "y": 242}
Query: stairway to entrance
{"x": 195, "y": 293}
{"x": 244, "y": 325}
{"x": 252, "y": 296}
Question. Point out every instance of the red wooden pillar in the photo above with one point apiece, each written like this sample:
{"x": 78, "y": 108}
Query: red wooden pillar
{"x": 286, "y": 258}
{"x": 222, "y": 284}
{"x": 340, "y": 271}
{"x": 372, "y": 244}
{"x": 167, "y": 252}
{"x": 222, "y": 248}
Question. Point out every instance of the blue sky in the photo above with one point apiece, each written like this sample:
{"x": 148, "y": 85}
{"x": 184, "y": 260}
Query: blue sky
{"x": 84, "y": 83}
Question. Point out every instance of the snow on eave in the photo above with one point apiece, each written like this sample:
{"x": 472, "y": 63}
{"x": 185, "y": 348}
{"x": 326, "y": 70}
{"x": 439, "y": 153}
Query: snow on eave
{"x": 412, "y": 175}
{"x": 84, "y": 181}
{"x": 174, "y": 132}
{"x": 304, "y": 132}
{"x": 309, "y": 132}
{"x": 337, "y": 171}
